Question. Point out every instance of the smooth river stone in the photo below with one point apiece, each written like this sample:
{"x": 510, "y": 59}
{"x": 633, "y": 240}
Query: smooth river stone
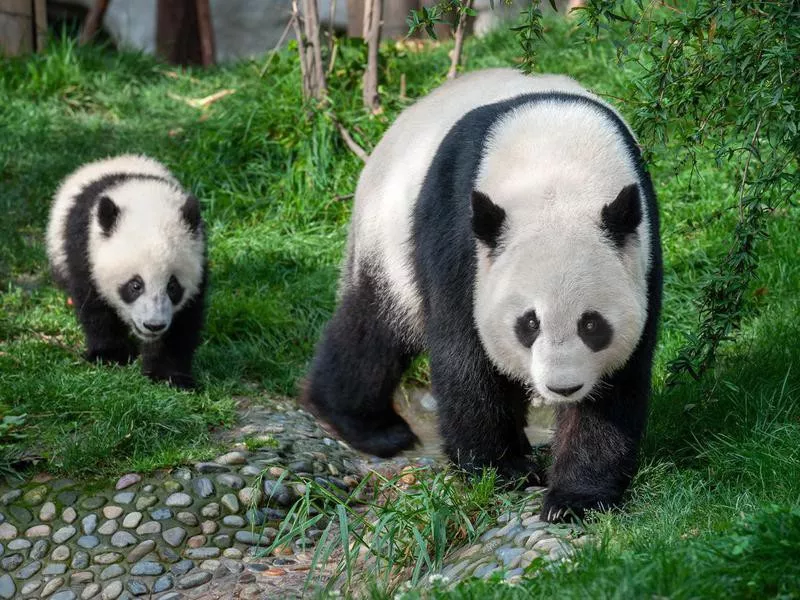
{"x": 128, "y": 480}
{"x": 147, "y": 568}
{"x": 179, "y": 499}
{"x": 174, "y": 536}
{"x": 111, "y": 572}
{"x": 7, "y": 531}
{"x": 148, "y": 528}
{"x": 88, "y": 541}
{"x": 7, "y": 587}
{"x": 132, "y": 520}
{"x": 194, "y": 579}
{"x": 232, "y": 458}
{"x": 108, "y": 527}
{"x": 203, "y": 487}
{"x": 69, "y": 515}
{"x": 140, "y": 551}
{"x": 38, "y": 531}
{"x": 107, "y": 558}
{"x": 187, "y": 518}
{"x": 112, "y": 590}
{"x": 124, "y": 497}
{"x": 47, "y": 512}
{"x": 123, "y": 539}
{"x": 112, "y": 512}
{"x": 63, "y": 534}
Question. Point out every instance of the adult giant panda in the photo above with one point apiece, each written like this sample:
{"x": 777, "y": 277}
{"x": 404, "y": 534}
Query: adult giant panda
{"x": 128, "y": 245}
{"x": 505, "y": 224}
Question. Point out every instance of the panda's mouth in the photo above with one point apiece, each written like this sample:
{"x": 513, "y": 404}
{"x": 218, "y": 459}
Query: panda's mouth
{"x": 147, "y": 336}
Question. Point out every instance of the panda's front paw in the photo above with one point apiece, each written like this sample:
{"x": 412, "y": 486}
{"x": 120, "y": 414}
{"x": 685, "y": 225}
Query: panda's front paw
{"x": 560, "y": 506}
{"x": 119, "y": 355}
{"x": 176, "y": 379}
{"x": 521, "y": 470}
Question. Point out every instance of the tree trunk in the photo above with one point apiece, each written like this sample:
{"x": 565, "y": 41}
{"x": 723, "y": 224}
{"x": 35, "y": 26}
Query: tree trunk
{"x": 177, "y": 33}
{"x": 205, "y": 30}
{"x": 306, "y": 28}
{"x": 459, "y": 45}
{"x": 93, "y": 22}
{"x": 372, "y": 34}
{"x": 23, "y": 26}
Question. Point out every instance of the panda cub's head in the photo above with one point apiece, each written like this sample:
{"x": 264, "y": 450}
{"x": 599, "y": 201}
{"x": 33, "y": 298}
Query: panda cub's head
{"x": 560, "y": 302}
{"x": 146, "y": 252}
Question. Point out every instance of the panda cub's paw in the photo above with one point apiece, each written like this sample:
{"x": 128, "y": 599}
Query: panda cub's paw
{"x": 521, "y": 471}
{"x": 116, "y": 356}
{"x": 176, "y": 379}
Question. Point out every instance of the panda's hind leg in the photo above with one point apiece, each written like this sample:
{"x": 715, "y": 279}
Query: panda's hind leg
{"x": 357, "y": 366}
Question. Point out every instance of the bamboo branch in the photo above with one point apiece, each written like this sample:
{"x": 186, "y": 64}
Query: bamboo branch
{"x": 459, "y": 45}
{"x": 372, "y": 34}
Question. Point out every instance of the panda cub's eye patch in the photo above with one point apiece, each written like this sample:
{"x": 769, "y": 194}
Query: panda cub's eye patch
{"x": 527, "y": 328}
{"x": 132, "y": 289}
{"x": 174, "y": 290}
{"x": 595, "y": 331}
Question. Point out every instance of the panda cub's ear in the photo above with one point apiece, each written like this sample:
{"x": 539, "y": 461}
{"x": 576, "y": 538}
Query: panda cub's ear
{"x": 621, "y": 218}
{"x": 107, "y": 215}
{"x": 488, "y": 219}
{"x": 191, "y": 213}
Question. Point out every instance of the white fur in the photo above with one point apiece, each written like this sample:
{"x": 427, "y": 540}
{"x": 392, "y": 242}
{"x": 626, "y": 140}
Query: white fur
{"x": 552, "y": 167}
{"x": 391, "y": 180}
{"x": 71, "y": 186}
{"x": 150, "y": 239}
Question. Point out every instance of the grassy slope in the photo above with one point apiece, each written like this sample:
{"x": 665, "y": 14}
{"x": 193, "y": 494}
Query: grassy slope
{"x": 709, "y": 511}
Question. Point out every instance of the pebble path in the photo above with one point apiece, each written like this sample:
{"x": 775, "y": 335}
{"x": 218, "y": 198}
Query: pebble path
{"x": 199, "y": 531}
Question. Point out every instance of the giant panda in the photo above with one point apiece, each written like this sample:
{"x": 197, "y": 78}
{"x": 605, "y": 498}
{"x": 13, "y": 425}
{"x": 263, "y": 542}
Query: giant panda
{"x": 127, "y": 243}
{"x": 506, "y": 224}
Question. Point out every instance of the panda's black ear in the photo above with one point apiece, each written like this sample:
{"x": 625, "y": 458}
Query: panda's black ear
{"x": 623, "y": 215}
{"x": 488, "y": 219}
{"x": 107, "y": 214}
{"x": 191, "y": 213}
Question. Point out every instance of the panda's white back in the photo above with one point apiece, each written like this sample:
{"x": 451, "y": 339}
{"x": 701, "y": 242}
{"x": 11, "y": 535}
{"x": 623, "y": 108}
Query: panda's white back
{"x": 391, "y": 180}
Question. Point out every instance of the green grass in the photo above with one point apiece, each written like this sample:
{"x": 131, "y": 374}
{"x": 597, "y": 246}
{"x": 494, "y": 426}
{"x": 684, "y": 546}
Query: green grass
{"x": 713, "y": 512}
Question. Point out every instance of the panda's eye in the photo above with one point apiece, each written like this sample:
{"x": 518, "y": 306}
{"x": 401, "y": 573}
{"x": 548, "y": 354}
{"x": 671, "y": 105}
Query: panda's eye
{"x": 595, "y": 331}
{"x": 174, "y": 290}
{"x": 132, "y": 289}
{"x": 527, "y": 328}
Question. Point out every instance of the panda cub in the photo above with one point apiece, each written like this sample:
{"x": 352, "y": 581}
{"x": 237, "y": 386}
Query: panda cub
{"x": 506, "y": 224}
{"x": 128, "y": 245}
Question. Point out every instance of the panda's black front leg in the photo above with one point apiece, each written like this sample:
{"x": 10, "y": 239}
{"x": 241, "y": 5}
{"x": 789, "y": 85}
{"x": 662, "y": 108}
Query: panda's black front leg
{"x": 107, "y": 337}
{"x": 595, "y": 452}
{"x": 169, "y": 359}
{"x": 482, "y": 414}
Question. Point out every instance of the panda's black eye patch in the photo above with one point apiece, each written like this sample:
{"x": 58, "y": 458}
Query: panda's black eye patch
{"x": 527, "y": 328}
{"x": 132, "y": 289}
{"x": 595, "y": 331}
{"x": 174, "y": 290}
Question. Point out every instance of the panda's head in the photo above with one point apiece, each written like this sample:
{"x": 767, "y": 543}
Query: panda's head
{"x": 146, "y": 252}
{"x": 560, "y": 303}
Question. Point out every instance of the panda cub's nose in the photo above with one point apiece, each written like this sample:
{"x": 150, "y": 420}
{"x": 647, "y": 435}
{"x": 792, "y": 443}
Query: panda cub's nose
{"x": 565, "y": 391}
{"x": 154, "y": 327}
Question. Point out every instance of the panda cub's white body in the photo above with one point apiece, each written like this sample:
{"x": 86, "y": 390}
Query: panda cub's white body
{"x": 128, "y": 245}
{"x": 505, "y": 224}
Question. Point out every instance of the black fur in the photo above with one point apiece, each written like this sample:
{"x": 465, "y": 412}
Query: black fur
{"x": 357, "y": 366}
{"x": 108, "y": 338}
{"x": 621, "y": 218}
{"x": 482, "y": 412}
{"x": 488, "y": 219}
{"x": 107, "y": 214}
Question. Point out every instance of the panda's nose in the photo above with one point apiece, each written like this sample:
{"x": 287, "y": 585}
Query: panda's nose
{"x": 154, "y": 327}
{"x": 565, "y": 391}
